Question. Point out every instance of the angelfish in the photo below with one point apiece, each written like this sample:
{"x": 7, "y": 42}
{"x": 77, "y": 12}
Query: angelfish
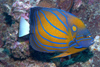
{"x": 55, "y": 30}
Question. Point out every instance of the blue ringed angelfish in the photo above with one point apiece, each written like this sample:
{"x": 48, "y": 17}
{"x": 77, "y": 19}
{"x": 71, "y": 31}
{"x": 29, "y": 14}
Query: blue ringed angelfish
{"x": 55, "y": 30}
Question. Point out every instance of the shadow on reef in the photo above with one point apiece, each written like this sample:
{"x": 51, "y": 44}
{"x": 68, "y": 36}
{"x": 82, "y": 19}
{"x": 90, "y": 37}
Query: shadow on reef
{"x": 8, "y": 18}
{"x": 45, "y": 57}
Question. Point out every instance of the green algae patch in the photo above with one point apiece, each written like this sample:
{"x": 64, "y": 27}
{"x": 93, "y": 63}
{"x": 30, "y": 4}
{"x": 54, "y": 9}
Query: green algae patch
{"x": 79, "y": 57}
{"x": 82, "y": 57}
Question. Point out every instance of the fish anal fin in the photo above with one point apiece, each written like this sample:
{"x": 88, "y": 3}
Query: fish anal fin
{"x": 61, "y": 55}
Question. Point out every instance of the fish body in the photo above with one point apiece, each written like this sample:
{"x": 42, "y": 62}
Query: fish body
{"x": 55, "y": 30}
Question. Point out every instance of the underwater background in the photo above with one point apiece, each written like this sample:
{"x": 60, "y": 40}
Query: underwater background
{"x": 16, "y": 52}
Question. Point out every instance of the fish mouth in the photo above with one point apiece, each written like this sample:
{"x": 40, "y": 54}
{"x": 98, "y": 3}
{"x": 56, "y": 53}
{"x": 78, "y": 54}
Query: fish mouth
{"x": 92, "y": 42}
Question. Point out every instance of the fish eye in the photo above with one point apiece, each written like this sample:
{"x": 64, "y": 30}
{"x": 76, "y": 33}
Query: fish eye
{"x": 74, "y": 28}
{"x": 85, "y": 36}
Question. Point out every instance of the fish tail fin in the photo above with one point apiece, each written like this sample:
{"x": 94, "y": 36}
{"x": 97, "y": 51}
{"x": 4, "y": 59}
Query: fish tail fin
{"x": 61, "y": 55}
{"x": 24, "y": 27}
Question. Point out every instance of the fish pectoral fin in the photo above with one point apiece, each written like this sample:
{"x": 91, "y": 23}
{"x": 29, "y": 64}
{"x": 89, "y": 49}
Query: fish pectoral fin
{"x": 61, "y": 55}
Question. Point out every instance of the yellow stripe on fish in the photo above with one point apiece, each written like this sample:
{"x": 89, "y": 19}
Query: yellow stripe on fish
{"x": 54, "y": 30}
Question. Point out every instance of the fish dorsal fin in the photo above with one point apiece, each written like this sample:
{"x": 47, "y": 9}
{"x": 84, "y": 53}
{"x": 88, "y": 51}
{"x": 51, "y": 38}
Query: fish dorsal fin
{"x": 62, "y": 55}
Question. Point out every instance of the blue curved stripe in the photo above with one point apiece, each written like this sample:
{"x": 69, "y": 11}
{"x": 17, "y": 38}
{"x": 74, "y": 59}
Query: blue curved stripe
{"x": 54, "y": 9}
{"x": 41, "y": 43}
{"x": 64, "y": 16}
{"x": 60, "y": 13}
{"x": 52, "y": 24}
{"x": 69, "y": 13}
{"x": 36, "y": 37}
{"x": 49, "y": 33}
{"x": 57, "y": 18}
{"x": 45, "y": 48}
{"x": 34, "y": 47}
{"x": 79, "y": 36}
{"x": 43, "y": 37}
{"x": 82, "y": 35}
{"x": 72, "y": 44}
{"x": 42, "y": 47}
{"x": 50, "y": 46}
{"x": 78, "y": 47}
{"x": 33, "y": 27}
{"x": 84, "y": 38}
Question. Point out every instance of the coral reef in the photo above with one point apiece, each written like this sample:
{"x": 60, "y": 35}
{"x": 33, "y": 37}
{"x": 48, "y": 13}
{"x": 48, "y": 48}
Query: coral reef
{"x": 4, "y": 59}
{"x": 65, "y": 4}
{"x": 96, "y": 45}
{"x": 77, "y": 4}
{"x": 20, "y": 8}
{"x": 47, "y": 3}
{"x": 20, "y": 50}
{"x": 17, "y": 49}
{"x": 15, "y": 52}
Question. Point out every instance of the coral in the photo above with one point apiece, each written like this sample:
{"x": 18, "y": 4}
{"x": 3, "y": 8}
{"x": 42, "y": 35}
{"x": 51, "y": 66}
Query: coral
{"x": 32, "y": 63}
{"x": 47, "y": 3}
{"x": 2, "y": 29}
{"x": 20, "y": 50}
{"x": 1, "y": 43}
{"x": 10, "y": 34}
{"x": 15, "y": 48}
{"x": 91, "y": 2}
{"x": 96, "y": 45}
{"x": 4, "y": 59}
{"x": 77, "y": 4}
{"x": 65, "y": 4}
{"x": 21, "y": 8}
